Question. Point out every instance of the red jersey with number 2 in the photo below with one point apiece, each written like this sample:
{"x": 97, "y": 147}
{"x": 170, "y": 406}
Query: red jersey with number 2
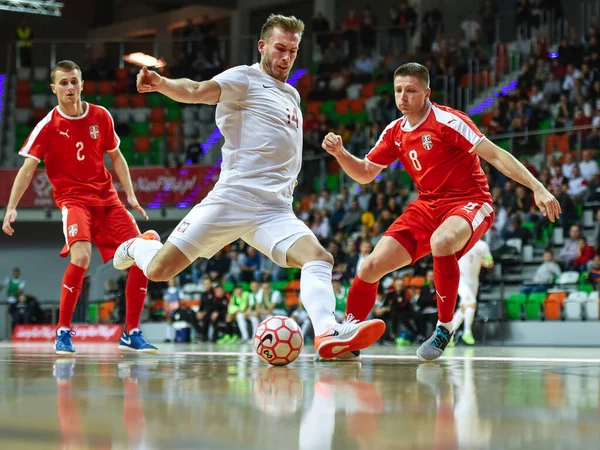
{"x": 73, "y": 152}
{"x": 436, "y": 153}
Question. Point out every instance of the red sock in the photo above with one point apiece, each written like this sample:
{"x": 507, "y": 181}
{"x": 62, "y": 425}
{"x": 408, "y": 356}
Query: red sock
{"x": 71, "y": 288}
{"x": 133, "y": 412}
{"x": 135, "y": 294}
{"x": 361, "y": 298}
{"x": 446, "y": 276}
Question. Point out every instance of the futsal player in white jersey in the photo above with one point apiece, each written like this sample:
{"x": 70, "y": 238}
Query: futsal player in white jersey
{"x": 259, "y": 116}
{"x": 470, "y": 265}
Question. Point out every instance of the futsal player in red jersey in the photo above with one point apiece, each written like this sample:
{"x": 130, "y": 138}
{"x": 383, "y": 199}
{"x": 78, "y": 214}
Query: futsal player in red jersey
{"x": 72, "y": 140}
{"x": 440, "y": 148}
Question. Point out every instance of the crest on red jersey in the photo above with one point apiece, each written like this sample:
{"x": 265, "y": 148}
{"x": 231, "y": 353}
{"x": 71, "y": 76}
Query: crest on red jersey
{"x": 427, "y": 142}
{"x": 183, "y": 226}
{"x": 72, "y": 230}
{"x": 94, "y": 131}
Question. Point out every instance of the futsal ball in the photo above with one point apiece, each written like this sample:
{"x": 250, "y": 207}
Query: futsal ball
{"x": 278, "y": 340}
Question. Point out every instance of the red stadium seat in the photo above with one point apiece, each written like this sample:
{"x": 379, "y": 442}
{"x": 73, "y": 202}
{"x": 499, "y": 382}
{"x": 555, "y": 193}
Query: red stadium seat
{"x": 122, "y": 101}
{"x": 121, "y": 74}
{"x": 142, "y": 144}
{"x": 313, "y": 107}
{"x": 342, "y": 106}
{"x": 24, "y": 101}
{"x": 23, "y": 87}
{"x": 357, "y": 105}
{"x": 157, "y": 129}
{"x": 89, "y": 87}
{"x": 157, "y": 115}
{"x": 138, "y": 101}
{"x": 39, "y": 114}
{"x": 368, "y": 90}
{"x": 106, "y": 87}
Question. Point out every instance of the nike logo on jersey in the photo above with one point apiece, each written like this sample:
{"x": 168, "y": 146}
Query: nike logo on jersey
{"x": 64, "y": 133}
{"x": 70, "y": 289}
{"x": 268, "y": 87}
{"x": 126, "y": 340}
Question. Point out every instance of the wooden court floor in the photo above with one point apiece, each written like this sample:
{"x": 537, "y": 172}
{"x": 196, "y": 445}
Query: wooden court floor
{"x": 223, "y": 397}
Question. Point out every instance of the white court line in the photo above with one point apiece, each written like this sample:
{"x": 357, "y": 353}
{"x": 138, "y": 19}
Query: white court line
{"x": 413, "y": 357}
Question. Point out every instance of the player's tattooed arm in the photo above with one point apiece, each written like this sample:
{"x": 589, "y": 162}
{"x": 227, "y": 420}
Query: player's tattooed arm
{"x": 183, "y": 90}
{"x": 512, "y": 168}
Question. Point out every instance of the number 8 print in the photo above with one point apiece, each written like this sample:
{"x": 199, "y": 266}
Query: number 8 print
{"x": 414, "y": 157}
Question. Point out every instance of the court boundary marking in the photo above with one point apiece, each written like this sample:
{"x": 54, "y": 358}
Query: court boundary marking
{"x": 308, "y": 355}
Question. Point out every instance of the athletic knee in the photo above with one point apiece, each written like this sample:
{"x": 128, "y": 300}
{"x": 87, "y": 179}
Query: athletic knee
{"x": 319, "y": 254}
{"x": 158, "y": 272}
{"x": 442, "y": 244}
{"x": 81, "y": 259}
{"x": 369, "y": 271}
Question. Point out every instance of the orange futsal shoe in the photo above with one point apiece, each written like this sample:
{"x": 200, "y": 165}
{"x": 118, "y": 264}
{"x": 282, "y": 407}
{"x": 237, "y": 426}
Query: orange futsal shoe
{"x": 122, "y": 259}
{"x": 349, "y": 336}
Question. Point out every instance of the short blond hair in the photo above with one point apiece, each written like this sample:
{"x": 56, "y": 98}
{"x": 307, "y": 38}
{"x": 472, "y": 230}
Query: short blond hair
{"x": 284, "y": 23}
{"x": 64, "y": 66}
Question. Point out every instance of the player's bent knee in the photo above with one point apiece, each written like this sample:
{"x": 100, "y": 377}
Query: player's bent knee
{"x": 369, "y": 271}
{"x": 158, "y": 272}
{"x": 442, "y": 244}
{"x": 81, "y": 260}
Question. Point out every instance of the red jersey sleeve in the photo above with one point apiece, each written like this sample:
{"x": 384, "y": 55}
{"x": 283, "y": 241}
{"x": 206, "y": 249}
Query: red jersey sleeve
{"x": 38, "y": 140}
{"x": 459, "y": 130}
{"x": 111, "y": 140}
{"x": 384, "y": 152}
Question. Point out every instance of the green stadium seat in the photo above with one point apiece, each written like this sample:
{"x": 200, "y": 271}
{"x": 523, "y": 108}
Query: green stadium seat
{"x": 332, "y": 181}
{"x": 140, "y": 129}
{"x": 545, "y": 124}
{"x": 41, "y": 87}
{"x": 126, "y": 143}
{"x": 533, "y": 305}
{"x": 314, "y": 67}
{"x": 168, "y": 102}
{"x": 228, "y": 286}
{"x": 157, "y": 145}
{"x": 476, "y": 118}
{"x": 328, "y": 107}
{"x": 514, "y": 306}
{"x": 279, "y": 285}
{"x": 586, "y": 288}
{"x": 107, "y": 100}
{"x": 155, "y": 100}
{"x": 387, "y": 87}
{"x": 361, "y": 117}
{"x": 174, "y": 114}
{"x": 23, "y": 130}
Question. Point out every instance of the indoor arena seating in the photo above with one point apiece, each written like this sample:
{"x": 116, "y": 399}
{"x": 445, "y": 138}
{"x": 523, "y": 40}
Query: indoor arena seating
{"x": 150, "y": 126}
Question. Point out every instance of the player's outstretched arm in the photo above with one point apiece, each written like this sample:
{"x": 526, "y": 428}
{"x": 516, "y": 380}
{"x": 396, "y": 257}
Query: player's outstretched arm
{"x": 183, "y": 90}
{"x": 359, "y": 170}
{"x": 512, "y": 168}
{"x": 122, "y": 170}
{"x": 22, "y": 181}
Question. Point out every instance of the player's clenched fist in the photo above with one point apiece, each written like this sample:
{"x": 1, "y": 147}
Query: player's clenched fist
{"x": 147, "y": 80}
{"x": 332, "y": 143}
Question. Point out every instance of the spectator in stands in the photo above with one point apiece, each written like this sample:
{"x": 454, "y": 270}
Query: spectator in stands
{"x": 326, "y": 201}
{"x": 269, "y": 271}
{"x": 254, "y": 311}
{"x": 238, "y": 306}
{"x": 365, "y": 249}
{"x": 251, "y": 264}
{"x": 568, "y": 165}
{"x": 569, "y": 213}
{"x": 368, "y": 35}
{"x": 21, "y": 311}
{"x": 352, "y": 256}
{"x": 401, "y": 313}
{"x": 594, "y": 275}
{"x": 578, "y": 186}
{"x": 320, "y": 29}
{"x": 218, "y": 266}
{"x": 358, "y": 143}
{"x": 552, "y": 88}
{"x": 271, "y": 301}
{"x": 350, "y": 31}
{"x": 224, "y": 324}
{"x": 234, "y": 275}
{"x": 545, "y": 275}
{"x": 585, "y": 255}
{"x": 320, "y": 225}
{"x": 14, "y": 286}
{"x": 407, "y": 21}
{"x": 588, "y": 167}
{"x": 341, "y": 298}
{"x": 570, "y": 248}
{"x": 426, "y": 307}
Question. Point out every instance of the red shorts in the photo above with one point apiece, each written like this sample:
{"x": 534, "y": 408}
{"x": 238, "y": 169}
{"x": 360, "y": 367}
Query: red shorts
{"x": 413, "y": 229}
{"x": 106, "y": 226}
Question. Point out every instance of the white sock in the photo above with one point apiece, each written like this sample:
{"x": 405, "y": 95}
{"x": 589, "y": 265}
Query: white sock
{"x": 446, "y": 325}
{"x": 469, "y": 317}
{"x": 133, "y": 331}
{"x": 316, "y": 293}
{"x": 458, "y": 319}
{"x": 61, "y": 329}
{"x": 170, "y": 335}
{"x": 143, "y": 251}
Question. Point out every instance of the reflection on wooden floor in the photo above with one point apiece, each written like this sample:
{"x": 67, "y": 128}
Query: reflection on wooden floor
{"x": 198, "y": 396}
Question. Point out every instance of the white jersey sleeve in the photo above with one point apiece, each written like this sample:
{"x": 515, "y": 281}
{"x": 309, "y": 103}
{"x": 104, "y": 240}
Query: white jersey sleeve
{"x": 234, "y": 83}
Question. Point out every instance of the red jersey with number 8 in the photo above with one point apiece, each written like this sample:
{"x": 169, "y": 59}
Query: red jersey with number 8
{"x": 73, "y": 151}
{"x": 436, "y": 153}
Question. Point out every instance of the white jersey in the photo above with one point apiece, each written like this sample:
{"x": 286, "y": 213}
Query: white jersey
{"x": 261, "y": 121}
{"x": 470, "y": 263}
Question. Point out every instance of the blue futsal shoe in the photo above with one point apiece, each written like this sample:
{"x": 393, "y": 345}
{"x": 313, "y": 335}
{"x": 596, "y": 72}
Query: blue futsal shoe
{"x": 135, "y": 342}
{"x": 432, "y": 348}
{"x": 63, "y": 345}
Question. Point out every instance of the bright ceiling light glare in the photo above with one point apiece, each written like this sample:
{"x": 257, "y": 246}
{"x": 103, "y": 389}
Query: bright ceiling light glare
{"x": 142, "y": 59}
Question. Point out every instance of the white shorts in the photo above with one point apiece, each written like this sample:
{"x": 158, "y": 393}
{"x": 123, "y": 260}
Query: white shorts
{"x": 467, "y": 290}
{"x": 213, "y": 224}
